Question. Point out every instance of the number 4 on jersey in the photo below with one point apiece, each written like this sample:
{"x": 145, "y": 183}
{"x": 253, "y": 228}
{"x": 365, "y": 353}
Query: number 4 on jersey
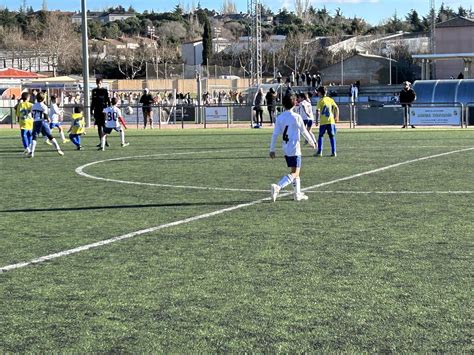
{"x": 285, "y": 135}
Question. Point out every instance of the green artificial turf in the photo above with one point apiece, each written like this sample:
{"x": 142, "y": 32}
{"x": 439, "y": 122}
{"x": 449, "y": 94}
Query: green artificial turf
{"x": 380, "y": 262}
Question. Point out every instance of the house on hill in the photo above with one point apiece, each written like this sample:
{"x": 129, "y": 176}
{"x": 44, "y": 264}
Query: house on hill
{"x": 454, "y": 36}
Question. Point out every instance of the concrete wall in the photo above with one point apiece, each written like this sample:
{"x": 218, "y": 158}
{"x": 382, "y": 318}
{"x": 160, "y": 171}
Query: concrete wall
{"x": 453, "y": 40}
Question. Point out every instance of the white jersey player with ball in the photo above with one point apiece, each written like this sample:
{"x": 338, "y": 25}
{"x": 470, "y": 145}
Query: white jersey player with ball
{"x": 113, "y": 120}
{"x": 290, "y": 126}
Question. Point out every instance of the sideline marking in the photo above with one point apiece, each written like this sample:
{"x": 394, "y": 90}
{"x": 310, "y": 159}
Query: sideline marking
{"x": 391, "y": 192}
{"x": 207, "y": 215}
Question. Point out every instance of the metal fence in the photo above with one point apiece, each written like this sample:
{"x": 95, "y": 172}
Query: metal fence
{"x": 184, "y": 114}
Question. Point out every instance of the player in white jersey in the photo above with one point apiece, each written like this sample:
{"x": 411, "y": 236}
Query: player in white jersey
{"x": 290, "y": 126}
{"x": 55, "y": 118}
{"x": 306, "y": 112}
{"x": 113, "y": 120}
{"x": 39, "y": 111}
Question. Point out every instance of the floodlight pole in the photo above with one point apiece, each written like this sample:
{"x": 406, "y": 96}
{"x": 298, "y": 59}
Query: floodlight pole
{"x": 85, "y": 63}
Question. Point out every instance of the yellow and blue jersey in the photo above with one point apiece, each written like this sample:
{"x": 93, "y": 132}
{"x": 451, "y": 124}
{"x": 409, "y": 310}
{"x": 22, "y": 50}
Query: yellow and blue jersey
{"x": 326, "y": 107}
{"x": 23, "y": 112}
{"x": 78, "y": 124}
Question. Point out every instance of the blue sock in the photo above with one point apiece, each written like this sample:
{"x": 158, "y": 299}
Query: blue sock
{"x": 333, "y": 144}
{"x": 285, "y": 181}
{"x": 24, "y": 138}
{"x": 320, "y": 144}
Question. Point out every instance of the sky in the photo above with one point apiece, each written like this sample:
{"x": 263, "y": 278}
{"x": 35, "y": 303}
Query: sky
{"x": 372, "y": 11}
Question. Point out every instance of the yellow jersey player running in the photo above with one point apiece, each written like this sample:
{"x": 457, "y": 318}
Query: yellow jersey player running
{"x": 23, "y": 114}
{"x": 113, "y": 118}
{"x": 328, "y": 116}
{"x": 77, "y": 127}
{"x": 290, "y": 126}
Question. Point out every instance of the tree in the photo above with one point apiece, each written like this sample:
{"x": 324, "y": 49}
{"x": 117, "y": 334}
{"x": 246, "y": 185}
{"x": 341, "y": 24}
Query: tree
{"x": 228, "y": 7}
{"x": 301, "y": 9}
{"x": 414, "y": 21}
{"x": 130, "y": 62}
{"x": 462, "y": 11}
{"x": 206, "y": 42}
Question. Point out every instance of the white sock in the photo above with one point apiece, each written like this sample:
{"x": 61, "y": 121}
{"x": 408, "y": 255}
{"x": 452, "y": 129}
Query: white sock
{"x": 297, "y": 185}
{"x": 62, "y": 136}
{"x": 55, "y": 144}
{"x": 102, "y": 141}
{"x": 285, "y": 181}
{"x": 122, "y": 136}
{"x": 33, "y": 145}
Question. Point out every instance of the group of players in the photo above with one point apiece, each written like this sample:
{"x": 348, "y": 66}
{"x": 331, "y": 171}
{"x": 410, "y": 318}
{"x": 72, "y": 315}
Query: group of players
{"x": 297, "y": 119}
{"x": 36, "y": 118}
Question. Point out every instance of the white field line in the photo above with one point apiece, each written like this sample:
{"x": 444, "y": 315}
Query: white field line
{"x": 391, "y": 192}
{"x": 206, "y": 215}
{"x": 80, "y": 171}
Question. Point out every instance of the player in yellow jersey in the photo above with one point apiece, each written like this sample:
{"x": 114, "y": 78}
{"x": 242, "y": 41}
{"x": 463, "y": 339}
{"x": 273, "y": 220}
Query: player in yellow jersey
{"x": 77, "y": 127}
{"x": 23, "y": 115}
{"x": 328, "y": 116}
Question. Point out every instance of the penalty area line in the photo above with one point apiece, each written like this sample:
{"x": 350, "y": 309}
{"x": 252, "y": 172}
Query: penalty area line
{"x": 206, "y": 215}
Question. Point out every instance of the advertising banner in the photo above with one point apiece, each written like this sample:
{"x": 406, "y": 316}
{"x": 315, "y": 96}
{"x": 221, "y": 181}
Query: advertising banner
{"x": 435, "y": 116}
{"x": 216, "y": 114}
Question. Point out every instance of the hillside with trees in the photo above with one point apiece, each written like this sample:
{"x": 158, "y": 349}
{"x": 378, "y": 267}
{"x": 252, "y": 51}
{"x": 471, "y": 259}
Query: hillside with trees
{"x": 53, "y": 35}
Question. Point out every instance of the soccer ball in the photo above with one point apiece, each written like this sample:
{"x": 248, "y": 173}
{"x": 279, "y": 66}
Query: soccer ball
{"x": 129, "y": 110}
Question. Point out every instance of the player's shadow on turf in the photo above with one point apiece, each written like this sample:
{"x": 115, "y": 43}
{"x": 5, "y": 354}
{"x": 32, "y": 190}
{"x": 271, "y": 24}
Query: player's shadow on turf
{"x": 88, "y": 208}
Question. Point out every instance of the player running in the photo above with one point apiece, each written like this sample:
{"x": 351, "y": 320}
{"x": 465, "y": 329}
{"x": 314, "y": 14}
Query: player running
{"x": 290, "y": 126}
{"x": 329, "y": 115}
{"x": 306, "y": 113}
{"x": 23, "y": 114}
{"x": 77, "y": 127}
{"x": 41, "y": 125}
{"x": 55, "y": 117}
{"x": 113, "y": 121}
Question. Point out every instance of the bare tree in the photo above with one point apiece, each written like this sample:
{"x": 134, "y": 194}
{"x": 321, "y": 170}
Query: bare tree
{"x": 131, "y": 61}
{"x": 59, "y": 43}
{"x": 301, "y": 9}
{"x": 228, "y": 7}
{"x": 299, "y": 52}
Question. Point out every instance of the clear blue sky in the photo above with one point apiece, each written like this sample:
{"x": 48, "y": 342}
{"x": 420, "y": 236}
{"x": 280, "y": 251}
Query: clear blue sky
{"x": 373, "y": 11}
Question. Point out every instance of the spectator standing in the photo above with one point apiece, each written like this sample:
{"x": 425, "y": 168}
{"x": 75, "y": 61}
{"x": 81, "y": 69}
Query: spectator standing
{"x": 407, "y": 96}
{"x": 313, "y": 81}
{"x": 308, "y": 78}
{"x": 279, "y": 77}
{"x": 258, "y": 107}
{"x": 354, "y": 92}
{"x": 271, "y": 99}
{"x": 147, "y": 101}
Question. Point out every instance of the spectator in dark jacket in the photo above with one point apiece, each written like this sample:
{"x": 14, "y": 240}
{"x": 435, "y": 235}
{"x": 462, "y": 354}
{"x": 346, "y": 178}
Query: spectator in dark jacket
{"x": 258, "y": 107}
{"x": 271, "y": 99}
{"x": 407, "y": 96}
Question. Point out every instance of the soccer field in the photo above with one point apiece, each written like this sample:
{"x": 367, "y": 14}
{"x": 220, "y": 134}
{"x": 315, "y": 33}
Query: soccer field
{"x": 173, "y": 245}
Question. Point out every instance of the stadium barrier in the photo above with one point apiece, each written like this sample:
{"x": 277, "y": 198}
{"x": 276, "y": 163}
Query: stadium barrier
{"x": 469, "y": 115}
{"x": 421, "y": 114}
{"x": 228, "y": 115}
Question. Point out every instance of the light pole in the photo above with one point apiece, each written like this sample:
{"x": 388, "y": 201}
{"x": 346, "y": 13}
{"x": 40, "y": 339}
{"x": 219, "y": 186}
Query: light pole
{"x": 390, "y": 66}
{"x": 85, "y": 63}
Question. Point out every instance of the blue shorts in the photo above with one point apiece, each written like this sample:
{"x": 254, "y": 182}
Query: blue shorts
{"x": 308, "y": 124}
{"x": 330, "y": 128}
{"x": 54, "y": 125}
{"x": 293, "y": 161}
{"x": 108, "y": 130}
{"x": 43, "y": 128}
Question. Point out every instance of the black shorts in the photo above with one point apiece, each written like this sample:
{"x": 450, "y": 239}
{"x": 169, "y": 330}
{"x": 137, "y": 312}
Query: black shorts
{"x": 99, "y": 118}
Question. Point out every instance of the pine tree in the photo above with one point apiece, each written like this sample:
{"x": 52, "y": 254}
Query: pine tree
{"x": 206, "y": 42}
